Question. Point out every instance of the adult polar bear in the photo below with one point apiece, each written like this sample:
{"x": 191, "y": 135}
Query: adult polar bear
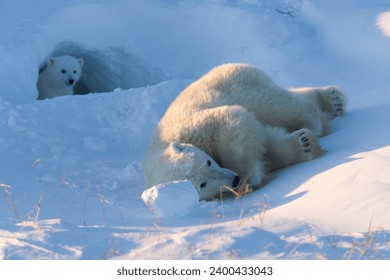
{"x": 235, "y": 121}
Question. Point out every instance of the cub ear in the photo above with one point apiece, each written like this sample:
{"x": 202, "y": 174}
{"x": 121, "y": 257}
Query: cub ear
{"x": 50, "y": 61}
{"x": 177, "y": 147}
{"x": 81, "y": 61}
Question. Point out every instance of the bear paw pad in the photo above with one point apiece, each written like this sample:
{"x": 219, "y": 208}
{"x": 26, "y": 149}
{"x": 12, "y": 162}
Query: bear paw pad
{"x": 309, "y": 147}
{"x": 337, "y": 102}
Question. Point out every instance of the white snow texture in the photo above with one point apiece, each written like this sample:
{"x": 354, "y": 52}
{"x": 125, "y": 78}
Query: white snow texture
{"x": 71, "y": 167}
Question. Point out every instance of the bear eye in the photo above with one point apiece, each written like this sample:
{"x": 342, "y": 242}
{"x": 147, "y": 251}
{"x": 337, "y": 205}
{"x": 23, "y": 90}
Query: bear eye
{"x": 203, "y": 185}
{"x": 208, "y": 162}
{"x": 63, "y": 71}
{"x": 75, "y": 71}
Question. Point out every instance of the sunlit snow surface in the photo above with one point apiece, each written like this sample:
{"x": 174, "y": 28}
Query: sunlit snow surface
{"x": 71, "y": 167}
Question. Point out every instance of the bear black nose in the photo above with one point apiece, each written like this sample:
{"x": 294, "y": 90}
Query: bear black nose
{"x": 71, "y": 81}
{"x": 236, "y": 181}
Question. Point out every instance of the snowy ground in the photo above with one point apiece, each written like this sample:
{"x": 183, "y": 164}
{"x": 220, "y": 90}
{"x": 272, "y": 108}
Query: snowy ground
{"x": 70, "y": 167}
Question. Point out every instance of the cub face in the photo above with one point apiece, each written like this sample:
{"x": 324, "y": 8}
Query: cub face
{"x": 65, "y": 69}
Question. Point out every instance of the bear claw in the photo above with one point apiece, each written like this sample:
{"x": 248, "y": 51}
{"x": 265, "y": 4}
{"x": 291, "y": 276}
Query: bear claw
{"x": 337, "y": 102}
{"x": 304, "y": 139}
{"x": 309, "y": 144}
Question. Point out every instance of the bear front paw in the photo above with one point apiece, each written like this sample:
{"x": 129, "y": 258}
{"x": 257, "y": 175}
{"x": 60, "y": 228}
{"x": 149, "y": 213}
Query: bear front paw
{"x": 308, "y": 144}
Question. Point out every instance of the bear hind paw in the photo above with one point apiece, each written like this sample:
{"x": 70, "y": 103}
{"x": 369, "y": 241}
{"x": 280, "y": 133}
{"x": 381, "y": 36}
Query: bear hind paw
{"x": 336, "y": 100}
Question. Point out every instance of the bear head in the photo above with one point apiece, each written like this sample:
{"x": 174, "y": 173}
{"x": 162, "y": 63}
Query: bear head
{"x": 65, "y": 69}
{"x": 209, "y": 178}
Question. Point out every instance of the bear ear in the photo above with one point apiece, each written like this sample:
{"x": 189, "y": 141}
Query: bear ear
{"x": 81, "y": 62}
{"x": 177, "y": 147}
{"x": 50, "y": 61}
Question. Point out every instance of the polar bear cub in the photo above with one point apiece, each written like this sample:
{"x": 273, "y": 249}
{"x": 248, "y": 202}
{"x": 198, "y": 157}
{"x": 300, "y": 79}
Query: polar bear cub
{"x": 234, "y": 126}
{"x": 58, "y": 76}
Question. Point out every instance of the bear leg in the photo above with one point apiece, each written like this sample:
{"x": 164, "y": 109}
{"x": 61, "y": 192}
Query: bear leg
{"x": 240, "y": 142}
{"x": 285, "y": 148}
{"x": 330, "y": 100}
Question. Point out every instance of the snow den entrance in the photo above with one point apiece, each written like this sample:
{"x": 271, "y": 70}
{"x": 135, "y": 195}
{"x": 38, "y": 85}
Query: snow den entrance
{"x": 110, "y": 68}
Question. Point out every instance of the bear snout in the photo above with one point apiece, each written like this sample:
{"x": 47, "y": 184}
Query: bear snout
{"x": 235, "y": 182}
{"x": 70, "y": 82}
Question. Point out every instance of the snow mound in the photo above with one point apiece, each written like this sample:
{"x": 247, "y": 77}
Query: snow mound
{"x": 176, "y": 198}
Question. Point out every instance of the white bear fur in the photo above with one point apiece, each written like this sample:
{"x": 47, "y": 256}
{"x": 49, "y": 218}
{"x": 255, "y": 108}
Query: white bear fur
{"x": 236, "y": 117}
{"x": 58, "y": 76}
